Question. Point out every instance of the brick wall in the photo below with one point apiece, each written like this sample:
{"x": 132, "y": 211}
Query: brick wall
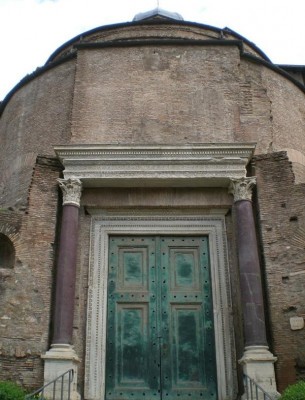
{"x": 26, "y": 289}
{"x": 282, "y": 229}
{"x": 185, "y": 94}
{"x": 162, "y": 94}
{"x": 36, "y": 119}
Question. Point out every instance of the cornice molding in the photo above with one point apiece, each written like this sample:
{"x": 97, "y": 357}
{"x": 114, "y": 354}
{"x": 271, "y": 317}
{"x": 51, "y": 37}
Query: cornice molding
{"x": 155, "y": 165}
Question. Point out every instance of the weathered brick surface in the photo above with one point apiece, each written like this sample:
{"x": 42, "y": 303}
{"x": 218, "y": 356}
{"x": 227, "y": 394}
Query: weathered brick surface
{"x": 26, "y": 289}
{"x": 183, "y": 94}
{"x": 282, "y": 229}
{"x": 253, "y": 121}
{"x": 153, "y": 94}
{"x": 287, "y": 112}
{"x": 35, "y": 120}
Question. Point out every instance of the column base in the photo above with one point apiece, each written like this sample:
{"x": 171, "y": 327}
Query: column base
{"x": 58, "y": 360}
{"x": 258, "y": 364}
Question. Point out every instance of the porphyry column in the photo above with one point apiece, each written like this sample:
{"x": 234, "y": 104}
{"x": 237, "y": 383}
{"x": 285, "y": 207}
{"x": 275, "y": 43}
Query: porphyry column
{"x": 62, "y": 357}
{"x": 66, "y": 264}
{"x": 257, "y": 361}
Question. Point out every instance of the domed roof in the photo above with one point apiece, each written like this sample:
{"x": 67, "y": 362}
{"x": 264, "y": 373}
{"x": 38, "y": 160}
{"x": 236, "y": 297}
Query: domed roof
{"x": 157, "y": 12}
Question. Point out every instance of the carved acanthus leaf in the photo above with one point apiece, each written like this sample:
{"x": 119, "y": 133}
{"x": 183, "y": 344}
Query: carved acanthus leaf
{"x": 241, "y": 188}
{"x": 71, "y": 190}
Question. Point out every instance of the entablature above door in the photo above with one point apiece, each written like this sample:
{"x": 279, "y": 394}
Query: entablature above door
{"x": 193, "y": 165}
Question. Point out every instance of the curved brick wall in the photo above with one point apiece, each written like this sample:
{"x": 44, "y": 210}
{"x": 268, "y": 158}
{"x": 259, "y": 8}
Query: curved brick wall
{"x": 36, "y": 118}
{"x": 147, "y": 94}
{"x": 184, "y": 94}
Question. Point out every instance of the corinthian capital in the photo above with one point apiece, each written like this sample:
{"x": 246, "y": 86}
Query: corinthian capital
{"x": 242, "y": 188}
{"x": 71, "y": 190}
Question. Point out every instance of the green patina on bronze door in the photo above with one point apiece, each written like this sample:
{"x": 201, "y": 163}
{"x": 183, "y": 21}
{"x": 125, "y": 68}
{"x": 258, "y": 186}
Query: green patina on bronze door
{"x": 160, "y": 335}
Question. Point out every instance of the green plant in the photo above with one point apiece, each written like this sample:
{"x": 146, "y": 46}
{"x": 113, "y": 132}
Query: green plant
{"x": 38, "y": 396}
{"x": 11, "y": 391}
{"x": 294, "y": 392}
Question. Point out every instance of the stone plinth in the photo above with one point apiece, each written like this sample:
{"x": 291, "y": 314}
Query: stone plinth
{"x": 58, "y": 360}
{"x": 258, "y": 364}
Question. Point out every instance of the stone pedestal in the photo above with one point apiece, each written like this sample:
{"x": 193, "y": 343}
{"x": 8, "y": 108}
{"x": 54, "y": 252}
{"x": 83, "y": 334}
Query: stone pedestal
{"x": 258, "y": 364}
{"x": 58, "y": 360}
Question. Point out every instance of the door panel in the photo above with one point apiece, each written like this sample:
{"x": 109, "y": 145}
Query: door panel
{"x": 185, "y": 269}
{"x": 160, "y": 342}
{"x": 189, "y": 368}
{"x": 132, "y": 341}
{"x": 132, "y": 271}
{"x": 132, "y": 357}
{"x": 186, "y": 351}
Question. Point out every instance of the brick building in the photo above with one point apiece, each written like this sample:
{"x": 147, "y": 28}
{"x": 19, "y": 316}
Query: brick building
{"x": 152, "y": 220}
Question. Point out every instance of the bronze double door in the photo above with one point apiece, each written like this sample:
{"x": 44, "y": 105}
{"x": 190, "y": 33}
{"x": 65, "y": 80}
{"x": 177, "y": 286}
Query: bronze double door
{"x": 160, "y": 333}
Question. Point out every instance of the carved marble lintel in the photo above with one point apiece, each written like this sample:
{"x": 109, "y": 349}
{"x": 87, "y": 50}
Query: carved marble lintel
{"x": 71, "y": 190}
{"x": 241, "y": 188}
{"x": 190, "y": 165}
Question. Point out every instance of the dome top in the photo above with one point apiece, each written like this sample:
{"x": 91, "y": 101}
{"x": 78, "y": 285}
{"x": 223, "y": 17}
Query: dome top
{"x": 157, "y": 12}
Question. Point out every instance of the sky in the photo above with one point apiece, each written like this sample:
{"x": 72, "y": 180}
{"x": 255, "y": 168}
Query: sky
{"x": 31, "y": 30}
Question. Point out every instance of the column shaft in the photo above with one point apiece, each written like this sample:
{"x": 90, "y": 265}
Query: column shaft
{"x": 66, "y": 275}
{"x": 250, "y": 276}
